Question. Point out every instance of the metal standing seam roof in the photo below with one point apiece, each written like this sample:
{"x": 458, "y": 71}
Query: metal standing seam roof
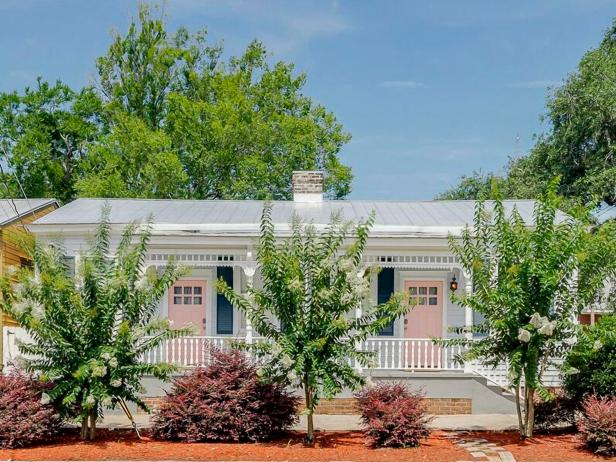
{"x": 13, "y": 209}
{"x": 247, "y": 213}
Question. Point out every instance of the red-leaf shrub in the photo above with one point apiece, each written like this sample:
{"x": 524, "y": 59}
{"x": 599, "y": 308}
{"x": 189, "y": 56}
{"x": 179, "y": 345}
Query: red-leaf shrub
{"x": 598, "y": 424}
{"x": 225, "y": 401}
{"x": 24, "y": 418}
{"x": 393, "y": 416}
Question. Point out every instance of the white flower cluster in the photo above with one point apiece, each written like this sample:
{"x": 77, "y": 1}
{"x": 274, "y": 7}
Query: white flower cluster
{"x": 99, "y": 370}
{"x": 143, "y": 284}
{"x": 523, "y": 335}
{"x": 117, "y": 383}
{"x": 346, "y": 265}
{"x": 36, "y": 309}
{"x": 286, "y": 361}
{"x": 543, "y": 325}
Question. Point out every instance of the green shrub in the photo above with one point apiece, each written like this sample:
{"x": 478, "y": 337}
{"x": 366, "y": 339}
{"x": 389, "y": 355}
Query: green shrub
{"x": 590, "y": 367}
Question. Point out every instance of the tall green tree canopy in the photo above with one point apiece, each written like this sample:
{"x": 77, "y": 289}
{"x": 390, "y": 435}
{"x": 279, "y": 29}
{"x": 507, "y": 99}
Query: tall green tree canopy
{"x": 169, "y": 117}
{"x": 44, "y": 136}
{"x": 579, "y": 146}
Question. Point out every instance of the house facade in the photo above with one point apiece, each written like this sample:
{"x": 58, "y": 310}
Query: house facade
{"x": 215, "y": 239}
{"x": 15, "y": 215}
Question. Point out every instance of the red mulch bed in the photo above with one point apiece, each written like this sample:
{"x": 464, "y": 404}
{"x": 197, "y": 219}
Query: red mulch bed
{"x": 330, "y": 446}
{"x": 564, "y": 447}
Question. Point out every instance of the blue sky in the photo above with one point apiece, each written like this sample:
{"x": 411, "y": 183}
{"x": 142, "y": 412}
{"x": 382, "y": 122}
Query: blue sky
{"x": 430, "y": 90}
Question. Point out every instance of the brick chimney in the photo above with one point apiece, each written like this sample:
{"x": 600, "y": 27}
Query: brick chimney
{"x": 308, "y": 186}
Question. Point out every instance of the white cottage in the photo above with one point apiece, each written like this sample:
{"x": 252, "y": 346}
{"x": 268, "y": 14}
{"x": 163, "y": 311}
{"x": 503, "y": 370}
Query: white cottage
{"x": 215, "y": 239}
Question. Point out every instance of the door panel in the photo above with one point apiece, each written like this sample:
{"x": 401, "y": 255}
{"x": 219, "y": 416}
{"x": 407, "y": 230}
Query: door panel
{"x": 187, "y": 304}
{"x": 425, "y": 318}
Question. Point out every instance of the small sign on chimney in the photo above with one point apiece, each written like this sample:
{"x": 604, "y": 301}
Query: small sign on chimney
{"x": 308, "y": 186}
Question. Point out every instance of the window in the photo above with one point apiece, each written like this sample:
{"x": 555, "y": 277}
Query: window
{"x": 26, "y": 263}
{"x": 385, "y": 287}
{"x": 69, "y": 263}
{"x": 224, "y": 309}
{"x": 424, "y": 296}
{"x": 187, "y": 295}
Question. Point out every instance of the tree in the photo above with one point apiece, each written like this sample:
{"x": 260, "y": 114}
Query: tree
{"x": 312, "y": 282}
{"x": 235, "y": 130}
{"x": 168, "y": 117}
{"x": 44, "y": 136}
{"x": 529, "y": 284}
{"x": 89, "y": 332}
{"x": 133, "y": 161}
{"x": 470, "y": 187}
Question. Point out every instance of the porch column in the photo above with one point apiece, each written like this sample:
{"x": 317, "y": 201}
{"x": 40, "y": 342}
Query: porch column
{"x": 359, "y": 312}
{"x": 468, "y": 312}
{"x": 249, "y": 271}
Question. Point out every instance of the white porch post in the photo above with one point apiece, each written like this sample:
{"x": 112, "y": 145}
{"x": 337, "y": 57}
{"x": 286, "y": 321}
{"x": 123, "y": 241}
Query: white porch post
{"x": 468, "y": 312}
{"x": 249, "y": 271}
{"x": 358, "y": 314}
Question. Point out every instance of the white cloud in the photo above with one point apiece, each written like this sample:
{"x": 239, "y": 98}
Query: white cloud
{"x": 282, "y": 26}
{"x": 401, "y": 84}
{"x": 535, "y": 84}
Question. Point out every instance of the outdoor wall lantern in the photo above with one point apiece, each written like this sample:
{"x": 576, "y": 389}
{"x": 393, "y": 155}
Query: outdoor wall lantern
{"x": 453, "y": 285}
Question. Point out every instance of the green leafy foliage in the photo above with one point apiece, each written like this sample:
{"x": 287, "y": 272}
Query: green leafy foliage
{"x": 88, "y": 333}
{"x": 44, "y": 137}
{"x": 312, "y": 283}
{"x": 524, "y": 279}
{"x": 590, "y": 367}
{"x": 170, "y": 118}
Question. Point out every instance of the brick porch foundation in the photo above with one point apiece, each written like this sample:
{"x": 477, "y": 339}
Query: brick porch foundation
{"x": 436, "y": 406}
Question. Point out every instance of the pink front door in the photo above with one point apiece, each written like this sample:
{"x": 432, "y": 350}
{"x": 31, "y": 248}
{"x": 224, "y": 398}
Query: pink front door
{"x": 425, "y": 318}
{"x": 187, "y": 304}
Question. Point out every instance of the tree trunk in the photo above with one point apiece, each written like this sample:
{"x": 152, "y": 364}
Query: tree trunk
{"x": 309, "y": 412}
{"x": 93, "y": 416}
{"x": 84, "y": 427}
{"x": 530, "y": 413}
{"x": 518, "y": 408}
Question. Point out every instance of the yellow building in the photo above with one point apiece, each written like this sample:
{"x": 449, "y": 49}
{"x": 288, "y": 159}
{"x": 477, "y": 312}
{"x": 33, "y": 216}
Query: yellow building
{"x": 14, "y": 215}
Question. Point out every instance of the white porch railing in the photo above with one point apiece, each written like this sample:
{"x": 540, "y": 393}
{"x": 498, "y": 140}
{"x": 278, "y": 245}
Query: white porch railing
{"x": 415, "y": 354}
{"x": 405, "y": 354}
{"x": 389, "y": 353}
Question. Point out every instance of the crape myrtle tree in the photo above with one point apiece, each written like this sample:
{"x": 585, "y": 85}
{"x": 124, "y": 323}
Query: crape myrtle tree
{"x": 312, "y": 283}
{"x": 89, "y": 332}
{"x": 529, "y": 282}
